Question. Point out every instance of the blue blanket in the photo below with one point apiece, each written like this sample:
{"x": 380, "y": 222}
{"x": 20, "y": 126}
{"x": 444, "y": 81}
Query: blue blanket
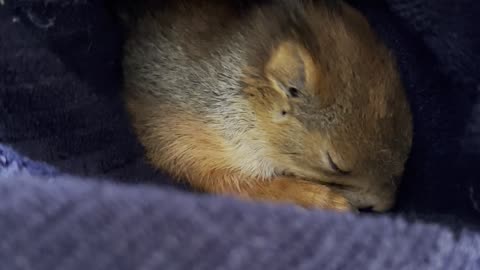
{"x": 75, "y": 192}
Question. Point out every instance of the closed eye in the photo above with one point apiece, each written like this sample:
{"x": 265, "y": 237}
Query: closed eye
{"x": 291, "y": 153}
{"x": 335, "y": 167}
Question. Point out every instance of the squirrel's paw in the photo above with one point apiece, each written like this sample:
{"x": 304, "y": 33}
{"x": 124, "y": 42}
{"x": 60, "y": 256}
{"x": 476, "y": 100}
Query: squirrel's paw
{"x": 305, "y": 194}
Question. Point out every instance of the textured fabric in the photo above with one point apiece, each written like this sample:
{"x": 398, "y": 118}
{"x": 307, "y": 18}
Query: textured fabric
{"x": 75, "y": 192}
{"x": 67, "y": 223}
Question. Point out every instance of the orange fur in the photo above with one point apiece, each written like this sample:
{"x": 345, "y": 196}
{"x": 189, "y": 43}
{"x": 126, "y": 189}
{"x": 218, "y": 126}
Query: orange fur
{"x": 288, "y": 101}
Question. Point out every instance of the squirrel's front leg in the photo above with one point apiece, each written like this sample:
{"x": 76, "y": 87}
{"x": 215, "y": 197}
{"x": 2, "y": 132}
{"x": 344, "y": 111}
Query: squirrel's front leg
{"x": 300, "y": 192}
{"x": 280, "y": 189}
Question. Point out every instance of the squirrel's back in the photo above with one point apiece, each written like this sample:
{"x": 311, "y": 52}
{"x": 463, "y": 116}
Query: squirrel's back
{"x": 198, "y": 53}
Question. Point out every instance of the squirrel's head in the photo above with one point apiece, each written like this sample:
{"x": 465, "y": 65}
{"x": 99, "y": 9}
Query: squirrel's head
{"x": 338, "y": 116}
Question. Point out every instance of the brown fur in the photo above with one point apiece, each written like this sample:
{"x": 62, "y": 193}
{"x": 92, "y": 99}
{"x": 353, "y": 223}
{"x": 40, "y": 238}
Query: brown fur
{"x": 209, "y": 91}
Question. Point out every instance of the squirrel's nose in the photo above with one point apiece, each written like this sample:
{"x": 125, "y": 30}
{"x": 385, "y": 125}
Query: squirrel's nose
{"x": 378, "y": 205}
{"x": 373, "y": 200}
{"x": 366, "y": 209}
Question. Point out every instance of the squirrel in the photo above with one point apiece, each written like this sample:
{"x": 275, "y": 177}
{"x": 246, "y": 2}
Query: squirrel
{"x": 282, "y": 101}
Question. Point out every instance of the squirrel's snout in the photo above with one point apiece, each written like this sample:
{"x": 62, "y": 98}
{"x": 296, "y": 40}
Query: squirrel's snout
{"x": 383, "y": 205}
{"x": 376, "y": 205}
{"x": 373, "y": 200}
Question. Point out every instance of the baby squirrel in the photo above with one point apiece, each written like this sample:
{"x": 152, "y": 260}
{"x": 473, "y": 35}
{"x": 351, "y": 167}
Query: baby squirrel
{"x": 289, "y": 101}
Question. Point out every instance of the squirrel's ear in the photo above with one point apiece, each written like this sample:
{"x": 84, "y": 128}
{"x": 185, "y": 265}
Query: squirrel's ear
{"x": 291, "y": 70}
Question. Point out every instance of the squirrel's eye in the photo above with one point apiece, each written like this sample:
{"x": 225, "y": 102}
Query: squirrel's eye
{"x": 293, "y": 92}
{"x": 335, "y": 167}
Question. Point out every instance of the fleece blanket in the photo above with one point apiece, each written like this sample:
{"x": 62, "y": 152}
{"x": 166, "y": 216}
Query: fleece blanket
{"x": 75, "y": 192}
